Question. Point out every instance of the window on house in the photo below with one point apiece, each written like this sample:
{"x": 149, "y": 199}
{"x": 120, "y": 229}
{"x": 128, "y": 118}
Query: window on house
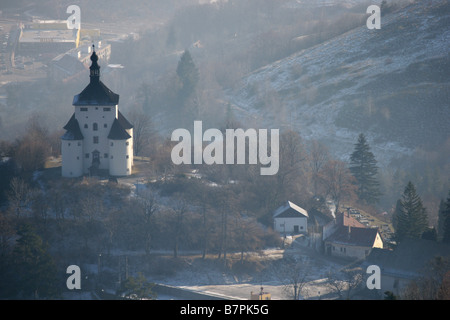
{"x": 68, "y": 144}
{"x": 105, "y": 155}
{"x": 95, "y": 126}
{"x": 79, "y": 143}
{"x": 112, "y": 144}
{"x": 95, "y": 139}
{"x": 86, "y": 155}
{"x": 106, "y": 109}
{"x": 112, "y": 157}
{"x": 83, "y": 109}
{"x": 127, "y": 156}
{"x": 86, "y": 126}
{"x": 105, "y": 125}
{"x": 127, "y": 143}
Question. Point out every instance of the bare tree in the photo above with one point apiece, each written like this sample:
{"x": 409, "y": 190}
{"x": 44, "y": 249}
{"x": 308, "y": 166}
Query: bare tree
{"x": 202, "y": 198}
{"x": 246, "y": 234}
{"x": 18, "y": 195}
{"x": 179, "y": 208}
{"x": 338, "y": 182}
{"x": 143, "y": 133}
{"x": 433, "y": 285}
{"x": 40, "y": 205}
{"x": 294, "y": 275}
{"x": 32, "y": 150}
{"x": 318, "y": 157}
{"x": 225, "y": 201}
{"x": 346, "y": 282}
{"x": 149, "y": 206}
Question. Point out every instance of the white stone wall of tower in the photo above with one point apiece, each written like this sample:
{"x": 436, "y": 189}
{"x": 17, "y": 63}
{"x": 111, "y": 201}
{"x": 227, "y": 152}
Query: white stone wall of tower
{"x": 101, "y": 116}
{"x": 121, "y": 156}
{"x": 72, "y": 158}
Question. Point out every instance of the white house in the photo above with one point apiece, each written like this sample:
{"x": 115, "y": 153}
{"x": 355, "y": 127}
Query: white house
{"x": 98, "y": 136}
{"x": 290, "y": 218}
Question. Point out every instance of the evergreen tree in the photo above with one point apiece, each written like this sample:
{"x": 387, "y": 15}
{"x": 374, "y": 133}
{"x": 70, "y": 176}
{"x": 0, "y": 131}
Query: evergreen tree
{"x": 430, "y": 234}
{"x": 364, "y": 168}
{"x": 410, "y": 215}
{"x": 34, "y": 268}
{"x": 444, "y": 219}
{"x": 137, "y": 288}
{"x": 187, "y": 74}
{"x": 396, "y": 214}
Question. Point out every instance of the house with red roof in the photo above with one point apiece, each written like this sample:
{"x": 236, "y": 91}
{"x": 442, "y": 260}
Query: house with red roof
{"x": 347, "y": 237}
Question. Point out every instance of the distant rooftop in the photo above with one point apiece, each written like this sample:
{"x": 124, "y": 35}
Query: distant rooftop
{"x": 289, "y": 210}
{"x": 40, "y": 35}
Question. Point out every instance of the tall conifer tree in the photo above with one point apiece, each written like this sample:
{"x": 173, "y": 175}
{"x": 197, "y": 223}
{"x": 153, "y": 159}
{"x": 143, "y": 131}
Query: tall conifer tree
{"x": 188, "y": 74}
{"x": 364, "y": 168}
{"x": 444, "y": 219}
{"x": 410, "y": 216}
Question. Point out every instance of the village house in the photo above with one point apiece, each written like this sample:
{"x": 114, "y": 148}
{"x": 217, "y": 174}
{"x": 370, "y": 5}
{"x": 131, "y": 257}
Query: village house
{"x": 348, "y": 238}
{"x": 290, "y": 219}
{"x": 410, "y": 260}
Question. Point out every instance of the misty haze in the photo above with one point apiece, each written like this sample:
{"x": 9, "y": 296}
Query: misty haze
{"x": 93, "y": 206}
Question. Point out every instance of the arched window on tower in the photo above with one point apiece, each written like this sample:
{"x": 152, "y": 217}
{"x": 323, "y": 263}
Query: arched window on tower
{"x": 95, "y": 126}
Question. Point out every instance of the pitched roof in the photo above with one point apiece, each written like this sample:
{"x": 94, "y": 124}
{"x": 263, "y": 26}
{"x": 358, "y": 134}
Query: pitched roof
{"x": 354, "y": 236}
{"x": 409, "y": 258}
{"x": 68, "y": 64}
{"x": 290, "y": 210}
{"x": 117, "y": 132}
{"x": 96, "y": 93}
{"x": 124, "y": 122}
{"x": 73, "y": 131}
{"x": 344, "y": 219}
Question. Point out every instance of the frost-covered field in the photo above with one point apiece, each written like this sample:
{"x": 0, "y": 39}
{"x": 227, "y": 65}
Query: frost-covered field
{"x": 311, "y": 87}
{"x": 217, "y": 282}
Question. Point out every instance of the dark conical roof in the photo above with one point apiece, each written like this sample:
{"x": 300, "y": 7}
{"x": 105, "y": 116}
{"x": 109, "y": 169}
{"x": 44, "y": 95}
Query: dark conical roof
{"x": 118, "y": 132}
{"x": 123, "y": 121}
{"x": 73, "y": 131}
{"x": 96, "y": 93}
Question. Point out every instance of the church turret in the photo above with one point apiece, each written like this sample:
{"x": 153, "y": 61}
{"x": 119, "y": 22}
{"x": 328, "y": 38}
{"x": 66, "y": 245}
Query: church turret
{"x": 94, "y": 68}
{"x": 102, "y": 136}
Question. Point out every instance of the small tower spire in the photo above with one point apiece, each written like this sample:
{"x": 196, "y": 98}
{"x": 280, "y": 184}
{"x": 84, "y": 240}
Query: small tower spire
{"x": 94, "y": 68}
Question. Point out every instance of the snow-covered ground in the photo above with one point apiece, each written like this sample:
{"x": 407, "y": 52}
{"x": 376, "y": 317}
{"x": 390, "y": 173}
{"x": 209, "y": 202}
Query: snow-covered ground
{"x": 216, "y": 282}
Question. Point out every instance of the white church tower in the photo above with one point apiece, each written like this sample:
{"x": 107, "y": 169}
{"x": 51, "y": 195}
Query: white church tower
{"x": 98, "y": 137}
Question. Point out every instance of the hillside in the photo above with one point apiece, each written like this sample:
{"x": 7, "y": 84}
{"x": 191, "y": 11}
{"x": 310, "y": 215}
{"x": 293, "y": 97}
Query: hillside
{"x": 392, "y": 84}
